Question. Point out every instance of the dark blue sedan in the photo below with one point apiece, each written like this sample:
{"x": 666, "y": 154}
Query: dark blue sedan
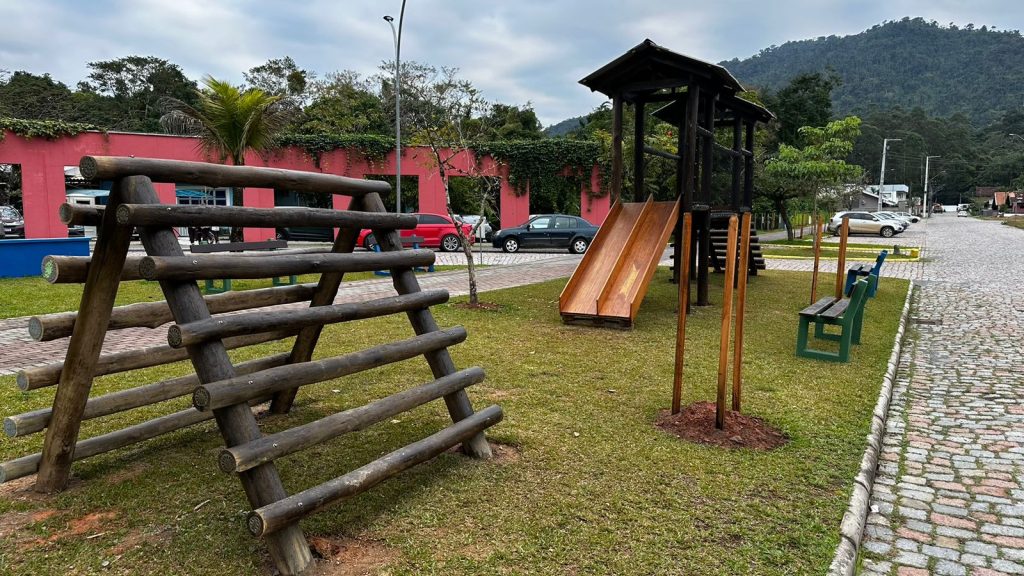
{"x": 547, "y": 231}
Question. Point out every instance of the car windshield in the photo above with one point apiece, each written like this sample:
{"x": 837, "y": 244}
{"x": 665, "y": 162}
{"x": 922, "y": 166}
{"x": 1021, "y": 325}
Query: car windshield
{"x": 9, "y": 213}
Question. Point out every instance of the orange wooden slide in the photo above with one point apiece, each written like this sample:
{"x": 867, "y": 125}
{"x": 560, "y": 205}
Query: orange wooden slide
{"x": 611, "y": 281}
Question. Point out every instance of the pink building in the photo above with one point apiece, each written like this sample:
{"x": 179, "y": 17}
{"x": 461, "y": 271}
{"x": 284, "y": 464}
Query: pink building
{"x": 43, "y": 165}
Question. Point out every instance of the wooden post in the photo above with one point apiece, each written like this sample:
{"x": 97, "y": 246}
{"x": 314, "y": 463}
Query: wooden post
{"x": 638, "y": 150}
{"x": 703, "y": 225}
{"x": 684, "y": 301}
{"x": 844, "y": 233}
{"x": 85, "y": 345}
{"x": 817, "y": 260}
{"x": 741, "y": 306}
{"x": 616, "y": 190}
{"x": 723, "y": 349}
{"x": 288, "y": 547}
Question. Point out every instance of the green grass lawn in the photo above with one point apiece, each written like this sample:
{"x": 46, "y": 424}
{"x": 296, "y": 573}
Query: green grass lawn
{"x": 1015, "y": 222}
{"x": 831, "y": 252}
{"x": 595, "y": 489}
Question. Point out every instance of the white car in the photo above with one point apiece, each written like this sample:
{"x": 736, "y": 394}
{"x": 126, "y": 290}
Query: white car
{"x": 481, "y": 227}
{"x": 908, "y": 216}
{"x": 960, "y": 213}
{"x": 866, "y": 223}
{"x": 895, "y": 216}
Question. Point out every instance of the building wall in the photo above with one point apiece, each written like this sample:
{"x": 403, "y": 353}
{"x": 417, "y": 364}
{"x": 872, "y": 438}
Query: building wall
{"x": 42, "y": 162}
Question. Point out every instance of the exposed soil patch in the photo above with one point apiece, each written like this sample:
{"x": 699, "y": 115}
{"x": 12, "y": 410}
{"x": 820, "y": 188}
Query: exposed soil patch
{"x": 349, "y": 556}
{"x": 137, "y": 538}
{"x": 12, "y": 522}
{"x": 500, "y": 453}
{"x": 696, "y": 423}
{"x": 126, "y": 474}
{"x": 489, "y": 306}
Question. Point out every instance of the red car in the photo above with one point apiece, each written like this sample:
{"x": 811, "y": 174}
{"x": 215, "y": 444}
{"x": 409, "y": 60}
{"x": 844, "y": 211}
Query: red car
{"x": 437, "y": 231}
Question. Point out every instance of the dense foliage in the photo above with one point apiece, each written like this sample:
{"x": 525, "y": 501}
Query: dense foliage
{"x": 910, "y": 63}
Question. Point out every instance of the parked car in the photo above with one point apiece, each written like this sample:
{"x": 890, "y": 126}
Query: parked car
{"x": 548, "y": 231}
{"x": 437, "y": 231}
{"x": 481, "y": 227}
{"x": 894, "y": 216}
{"x": 310, "y": 233}
{"x": 960, "y": 213}
{"x": 914, "y": 219}
{"x": 866, "y": 223}
{"x": 13, "y": 223}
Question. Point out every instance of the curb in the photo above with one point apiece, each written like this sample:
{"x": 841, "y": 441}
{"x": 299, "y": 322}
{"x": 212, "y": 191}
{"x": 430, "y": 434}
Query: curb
{"x": 851, "y": 530}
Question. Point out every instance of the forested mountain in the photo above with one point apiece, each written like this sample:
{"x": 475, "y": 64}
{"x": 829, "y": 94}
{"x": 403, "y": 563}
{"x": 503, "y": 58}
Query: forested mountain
{"x": 910, "y": 63}
{"x": 565, "y": 126}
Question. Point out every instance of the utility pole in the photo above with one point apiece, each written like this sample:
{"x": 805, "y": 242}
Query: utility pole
{"x": 927, "y": 210}
{"x": 398, "y": 104}
{"x": 881, "y": 177}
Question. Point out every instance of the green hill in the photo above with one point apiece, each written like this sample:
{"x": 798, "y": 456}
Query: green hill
{"x": 907, "y": 63}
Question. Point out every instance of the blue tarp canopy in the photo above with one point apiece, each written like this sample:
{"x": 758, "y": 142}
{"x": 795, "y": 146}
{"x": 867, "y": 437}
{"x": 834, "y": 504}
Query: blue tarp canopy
{"x": 186, "y": 193}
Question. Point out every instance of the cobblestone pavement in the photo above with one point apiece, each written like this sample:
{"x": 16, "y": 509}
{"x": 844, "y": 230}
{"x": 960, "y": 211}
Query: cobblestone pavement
{"x": 948, "y": 497}
{"x": 503, "y": 271}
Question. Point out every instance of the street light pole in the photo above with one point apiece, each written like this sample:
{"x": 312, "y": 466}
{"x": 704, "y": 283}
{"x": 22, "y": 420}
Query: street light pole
{"x": 927, "y": 211}
{"x": 881, "y": 177}
{"x": 398, "y": 104}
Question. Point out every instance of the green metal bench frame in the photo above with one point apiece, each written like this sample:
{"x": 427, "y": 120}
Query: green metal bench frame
{"x": 848, "y": 314}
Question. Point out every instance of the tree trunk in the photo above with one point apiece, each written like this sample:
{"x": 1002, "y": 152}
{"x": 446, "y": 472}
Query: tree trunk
{"x": 780, "y": 205}
{"x": 463, "y": 240}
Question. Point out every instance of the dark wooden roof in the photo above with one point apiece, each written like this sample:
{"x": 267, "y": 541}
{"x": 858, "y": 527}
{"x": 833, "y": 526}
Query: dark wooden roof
{"x": 648, "y": 67}
{"x": 729, "y": 106}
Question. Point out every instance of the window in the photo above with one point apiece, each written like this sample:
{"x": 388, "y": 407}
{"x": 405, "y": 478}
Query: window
{"x": 562, "y": 222}
{"x": 433, "y": 219}
{"x": 541, "y": 223}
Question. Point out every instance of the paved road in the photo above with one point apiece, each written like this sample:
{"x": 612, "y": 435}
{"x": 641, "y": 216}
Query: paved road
{"x": 948, "y": 498}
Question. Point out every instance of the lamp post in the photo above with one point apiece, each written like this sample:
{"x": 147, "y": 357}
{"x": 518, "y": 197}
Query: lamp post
{"x": 398, "y": 104}
{"x": 927, "y": 211}
{"x": 881, "y": 177}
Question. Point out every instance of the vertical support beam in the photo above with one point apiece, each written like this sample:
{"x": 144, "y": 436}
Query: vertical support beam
{"x": 817, "y": 260}
{"x": 638, "y": 150}
{"x": 741, "y": 308}
{"x": 684, "y": 304}
{"x": 703, "y": 224}
{"x": 737, "y": 166}
{"x": 422, "y": 321}
{"x": 85, "y": 345}
{"x": 237, "y": 425}
{"x": 707, "y": 147}
{"x": 723, "y": 348}
{"x": 326, "y": 290}
{"x": 844, "y": 233}
{"x": 688, "y": 148}
{"x": 678, "y": 260}
{"x": 616, "y": 190}
{"x": 748, "y": 167}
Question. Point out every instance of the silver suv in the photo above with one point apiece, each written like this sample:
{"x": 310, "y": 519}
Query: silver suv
{"x": 866, "y": 223}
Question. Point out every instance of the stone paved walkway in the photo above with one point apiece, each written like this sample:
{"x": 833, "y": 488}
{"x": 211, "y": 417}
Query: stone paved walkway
{"x": 948, "y": 497}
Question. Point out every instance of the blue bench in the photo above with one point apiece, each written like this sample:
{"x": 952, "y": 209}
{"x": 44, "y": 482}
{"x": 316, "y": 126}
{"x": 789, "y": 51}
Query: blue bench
{"x": 872, "y": 273}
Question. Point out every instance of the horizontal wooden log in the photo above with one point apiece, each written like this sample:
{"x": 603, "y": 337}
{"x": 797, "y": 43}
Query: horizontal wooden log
{"x": 72, "y": 269}
{"x": 120, "y": 401}
{"x": 181, "y": 335}
{"x": 80, "y": 214}
{"x": 239, "y": 389}
{"x": 221, "y": 176}
{"x": 198, "y": 215}
{"x": 212, "y": 267}
{"x": 28, "y": 465}
{"x": 156, "y": 314}
{"x": 49, "y": 375}
{"x": 272, "y": 517}
{"x": 245, "y": 456}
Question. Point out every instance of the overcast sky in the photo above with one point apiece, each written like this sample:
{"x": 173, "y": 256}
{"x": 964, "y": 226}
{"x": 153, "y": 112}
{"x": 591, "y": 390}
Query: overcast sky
{"x": 515, "y": 51}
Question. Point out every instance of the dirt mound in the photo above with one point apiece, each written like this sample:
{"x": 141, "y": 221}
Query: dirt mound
{"x": 349, "y": 556}
{"x": 696, "y": 423}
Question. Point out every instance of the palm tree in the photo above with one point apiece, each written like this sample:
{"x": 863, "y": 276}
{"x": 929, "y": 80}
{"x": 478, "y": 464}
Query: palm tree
{"x": 230, "y": 122}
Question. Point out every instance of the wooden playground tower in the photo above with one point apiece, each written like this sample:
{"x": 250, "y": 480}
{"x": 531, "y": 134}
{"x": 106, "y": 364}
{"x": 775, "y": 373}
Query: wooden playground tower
{"x": 697, "y": 98}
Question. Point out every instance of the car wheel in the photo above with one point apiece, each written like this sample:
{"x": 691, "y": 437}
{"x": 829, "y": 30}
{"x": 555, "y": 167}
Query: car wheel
{"x": 510, "y": 245}
{"x": 369, "y": 242}
{"x": 450, "y": 243}
{"x": 578, "y": 246}
{"x": 887, "y": 232}
{"x": 281, "y": 235}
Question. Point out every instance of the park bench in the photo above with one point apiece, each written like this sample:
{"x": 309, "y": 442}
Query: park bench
{"x": 224, "y": 284}
{"x": 867, "y": 271}
{"x": 846, "y": 313}
{"x": 407, "y": 242}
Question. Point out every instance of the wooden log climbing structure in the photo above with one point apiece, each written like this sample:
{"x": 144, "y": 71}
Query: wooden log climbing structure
{"x": 223, "y": 391}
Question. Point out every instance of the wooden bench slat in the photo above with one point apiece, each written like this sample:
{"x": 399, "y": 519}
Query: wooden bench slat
{"x": 818, "y": 307}
{"x": 836, "y": 310}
